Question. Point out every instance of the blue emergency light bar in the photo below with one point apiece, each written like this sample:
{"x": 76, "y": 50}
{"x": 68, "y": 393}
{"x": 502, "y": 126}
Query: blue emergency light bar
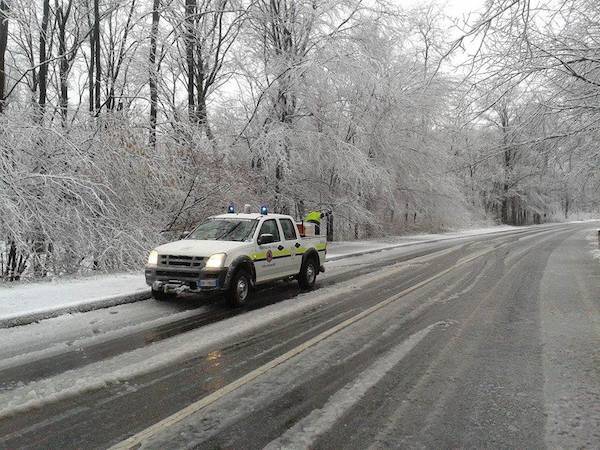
{"x": 264, "y": 210}
{"x": 231, "y": 208}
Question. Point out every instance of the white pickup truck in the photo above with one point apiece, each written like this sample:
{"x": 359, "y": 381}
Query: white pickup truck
{"x": 231, "y": 253}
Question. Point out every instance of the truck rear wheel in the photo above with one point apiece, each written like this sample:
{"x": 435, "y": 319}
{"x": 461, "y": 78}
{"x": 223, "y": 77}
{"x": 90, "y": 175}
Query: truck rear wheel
{"x": 239, "y": 291}
{"x": 308, "y": 274}
{"x": 162, "y": 296}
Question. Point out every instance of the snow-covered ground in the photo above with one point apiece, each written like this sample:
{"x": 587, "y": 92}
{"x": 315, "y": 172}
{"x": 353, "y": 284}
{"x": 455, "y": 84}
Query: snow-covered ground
{"x": 25, "y": 303}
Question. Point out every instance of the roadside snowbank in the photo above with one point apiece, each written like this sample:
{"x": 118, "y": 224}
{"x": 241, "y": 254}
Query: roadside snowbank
{"x": 26, "y": 303}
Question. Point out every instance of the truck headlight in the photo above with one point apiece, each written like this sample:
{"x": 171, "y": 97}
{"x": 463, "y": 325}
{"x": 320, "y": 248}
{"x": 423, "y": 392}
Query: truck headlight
{"x": 216, "y": 261}
{"x": 153, "y": 258}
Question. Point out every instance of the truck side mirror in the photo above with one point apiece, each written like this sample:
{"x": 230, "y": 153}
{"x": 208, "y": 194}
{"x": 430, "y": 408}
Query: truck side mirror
{"x": 265, "y": 238}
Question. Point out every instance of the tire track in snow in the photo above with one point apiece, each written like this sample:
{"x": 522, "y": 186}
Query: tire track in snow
{"x": 304, "y": 433}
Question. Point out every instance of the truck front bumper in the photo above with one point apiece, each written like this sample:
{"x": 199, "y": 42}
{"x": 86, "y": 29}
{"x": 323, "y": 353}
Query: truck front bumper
{"x": 178, "y": 280}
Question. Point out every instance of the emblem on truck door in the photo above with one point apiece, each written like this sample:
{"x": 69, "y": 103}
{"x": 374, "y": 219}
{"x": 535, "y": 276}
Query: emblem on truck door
{"x": 269, "y": 256}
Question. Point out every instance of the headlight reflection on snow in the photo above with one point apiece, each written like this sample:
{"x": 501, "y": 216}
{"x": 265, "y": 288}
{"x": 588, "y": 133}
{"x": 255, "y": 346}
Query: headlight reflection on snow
{"x": 212, "y": 370}
{"x": 214, "y": 358}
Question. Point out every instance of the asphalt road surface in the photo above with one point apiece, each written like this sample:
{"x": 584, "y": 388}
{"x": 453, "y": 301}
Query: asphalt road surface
{"x": 485, "y": 342}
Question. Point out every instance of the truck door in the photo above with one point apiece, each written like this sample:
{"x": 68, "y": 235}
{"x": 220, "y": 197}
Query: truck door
{"x": 266, "y": 262}
{"x": 291, "y": 243}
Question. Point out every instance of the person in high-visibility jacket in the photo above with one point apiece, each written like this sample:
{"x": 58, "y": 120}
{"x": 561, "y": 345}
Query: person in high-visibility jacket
{"x": 315, "y": 217}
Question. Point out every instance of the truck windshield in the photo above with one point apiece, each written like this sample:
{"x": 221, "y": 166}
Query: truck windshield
{"x": 224, "y": 230}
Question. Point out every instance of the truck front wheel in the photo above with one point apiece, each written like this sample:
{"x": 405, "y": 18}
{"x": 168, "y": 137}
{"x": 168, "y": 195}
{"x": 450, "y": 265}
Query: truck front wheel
{"x": 238, "y": 292}
{"x": 308, "y": 274}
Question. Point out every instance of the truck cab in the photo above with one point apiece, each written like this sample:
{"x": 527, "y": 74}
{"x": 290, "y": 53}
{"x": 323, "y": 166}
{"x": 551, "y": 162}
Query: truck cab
{"x": 232, "y": 253}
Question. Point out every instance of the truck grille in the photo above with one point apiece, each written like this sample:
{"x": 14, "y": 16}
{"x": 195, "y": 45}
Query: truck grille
{"x": 181, "y": 261}
{"x": 177, "y": 275}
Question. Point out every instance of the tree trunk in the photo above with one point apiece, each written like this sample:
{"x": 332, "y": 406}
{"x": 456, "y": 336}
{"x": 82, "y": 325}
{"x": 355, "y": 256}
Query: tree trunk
{"x": 91, "y": 73}
{"x": 63, "y": 66}
{"x": 63, "y": 17}
{"x": 190, "y": 11}
{"x": 504, "y": 210}
{"x": 508, "y": 162}
{"x": 15, "y": 264}
{"x": 279, "y": 206}
{"x": 3, "y": 43}
{"x": 330, "y": 227}
{"x": 153, "y": 80}
{"x": 203, "y": 117}
{"x": 43, "y": 74}
{"x": 201, "y": 111}
{"x": 11, "y": 262}
{"x": 514, "y": 209}
{"x": 98, "y": 64}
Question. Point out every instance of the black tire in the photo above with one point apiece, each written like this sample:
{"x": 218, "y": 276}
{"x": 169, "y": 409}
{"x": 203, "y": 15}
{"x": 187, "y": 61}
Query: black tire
{"x": 308, "y": 274}
{"x": 162, "y": 296}
{"x": 239, "y": 290}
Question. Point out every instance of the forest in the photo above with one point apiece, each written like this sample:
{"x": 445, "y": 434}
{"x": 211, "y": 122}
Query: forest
{"x": 124, "y": 122}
